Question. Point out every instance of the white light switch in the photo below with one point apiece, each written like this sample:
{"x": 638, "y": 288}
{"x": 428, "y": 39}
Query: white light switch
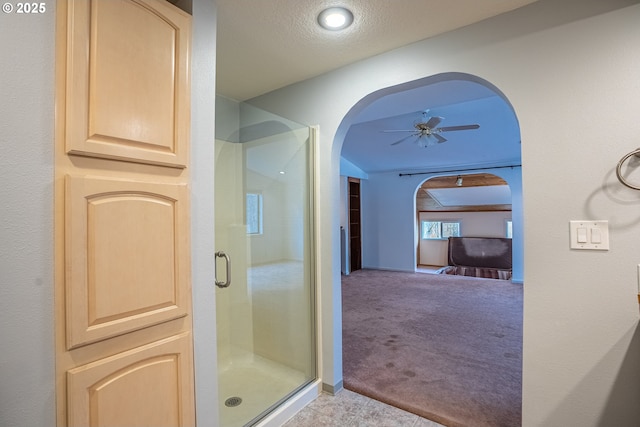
{"x": 589, "y": 235}
{"x": 582, "y": 235}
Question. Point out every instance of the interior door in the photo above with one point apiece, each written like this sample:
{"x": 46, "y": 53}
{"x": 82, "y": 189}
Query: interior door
{"x": 355, "y": 226}
{"x": 123, "y": 291}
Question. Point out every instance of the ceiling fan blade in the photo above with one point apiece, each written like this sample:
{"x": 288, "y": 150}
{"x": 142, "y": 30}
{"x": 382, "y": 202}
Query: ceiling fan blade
{"x": 433, "y": 122}
{"x": 398, "y": 130}
{"x": 450, "y": 128}
{"x": 439, "y": 138}
{"x": 404, "y": 139}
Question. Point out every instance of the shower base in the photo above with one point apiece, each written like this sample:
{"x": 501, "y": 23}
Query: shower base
{"x": 259, "y": 382}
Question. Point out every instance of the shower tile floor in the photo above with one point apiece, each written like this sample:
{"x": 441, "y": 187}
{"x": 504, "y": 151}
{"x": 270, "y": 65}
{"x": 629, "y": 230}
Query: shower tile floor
{"x": 349, "y": 409}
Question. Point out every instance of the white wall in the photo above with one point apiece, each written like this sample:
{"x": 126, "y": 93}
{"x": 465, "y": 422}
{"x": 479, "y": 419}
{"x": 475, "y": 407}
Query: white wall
{"x": 573, "y": 81}
{"x": 349, "y": 169}
{"x": 203, "y": 69}
{"x": 389, "y": 236}
{"x": 475, "y": 224}
{"x": 285, "y": 199}
{"x": 27, "y": 396}
{"x": 269, "y": 246}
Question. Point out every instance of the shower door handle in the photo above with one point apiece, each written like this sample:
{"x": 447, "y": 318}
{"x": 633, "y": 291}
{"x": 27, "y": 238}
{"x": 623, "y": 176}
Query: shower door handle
{"x": 227, "y": 282}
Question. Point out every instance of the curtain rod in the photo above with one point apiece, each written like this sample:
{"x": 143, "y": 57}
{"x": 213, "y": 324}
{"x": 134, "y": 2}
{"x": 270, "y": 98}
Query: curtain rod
{"x": 459, "y": 170}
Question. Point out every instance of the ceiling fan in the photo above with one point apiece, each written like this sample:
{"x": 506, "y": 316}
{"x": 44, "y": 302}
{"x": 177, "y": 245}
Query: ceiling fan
{"x": 427, "y": 132}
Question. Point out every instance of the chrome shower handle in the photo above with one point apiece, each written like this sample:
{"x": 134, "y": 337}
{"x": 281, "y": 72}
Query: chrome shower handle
{"x": 227, "y": 282}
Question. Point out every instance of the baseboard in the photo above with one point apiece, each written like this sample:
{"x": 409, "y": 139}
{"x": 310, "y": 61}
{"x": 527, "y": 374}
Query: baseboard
{"x": 413, "y": 270}
{"x": 332, "y": 389}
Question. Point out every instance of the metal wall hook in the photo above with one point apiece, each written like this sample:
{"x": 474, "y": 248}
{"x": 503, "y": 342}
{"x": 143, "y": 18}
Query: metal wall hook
{"x": 619, "y": 169}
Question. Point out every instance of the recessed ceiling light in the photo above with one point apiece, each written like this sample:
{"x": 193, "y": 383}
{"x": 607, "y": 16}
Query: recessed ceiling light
{"x": 335, "y": 18}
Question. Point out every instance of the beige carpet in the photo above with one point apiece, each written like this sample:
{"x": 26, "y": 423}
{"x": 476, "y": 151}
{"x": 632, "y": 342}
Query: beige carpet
{"x": 447, "y": 348}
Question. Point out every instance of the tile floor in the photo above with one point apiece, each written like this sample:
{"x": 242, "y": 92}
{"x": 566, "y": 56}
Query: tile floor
{"x": 349, "y": 409}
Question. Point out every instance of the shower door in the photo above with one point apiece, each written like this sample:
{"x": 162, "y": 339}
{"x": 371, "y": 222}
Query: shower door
{"x": 264, "y": 261}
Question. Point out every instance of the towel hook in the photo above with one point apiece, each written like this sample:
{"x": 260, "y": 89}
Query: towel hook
{"x": 635, "y": 152}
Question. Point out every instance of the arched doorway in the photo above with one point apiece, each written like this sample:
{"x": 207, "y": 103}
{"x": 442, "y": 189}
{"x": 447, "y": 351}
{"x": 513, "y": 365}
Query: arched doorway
{"x": 459, "y": 205}
{"x": 390, "y": 170}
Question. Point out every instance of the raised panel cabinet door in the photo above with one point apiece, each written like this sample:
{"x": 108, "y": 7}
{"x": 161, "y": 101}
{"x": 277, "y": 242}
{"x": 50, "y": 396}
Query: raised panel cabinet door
{"x": 128, "y": 81}
{"x": 147, "y": 386}
{"x": 127, "y": 256}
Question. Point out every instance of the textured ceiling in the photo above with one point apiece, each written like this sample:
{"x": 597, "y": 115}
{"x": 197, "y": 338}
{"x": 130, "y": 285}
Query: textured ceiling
{"x": 265, "y": 45}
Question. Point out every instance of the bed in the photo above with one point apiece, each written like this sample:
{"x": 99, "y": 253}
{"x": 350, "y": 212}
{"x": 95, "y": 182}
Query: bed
{"x": 485, "y": 257}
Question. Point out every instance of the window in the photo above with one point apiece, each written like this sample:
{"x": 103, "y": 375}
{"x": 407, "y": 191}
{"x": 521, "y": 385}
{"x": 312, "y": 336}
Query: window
{"x": 439, "y": 230}
{"x": 254, "y": 213}
{"x": 509, "y": 229}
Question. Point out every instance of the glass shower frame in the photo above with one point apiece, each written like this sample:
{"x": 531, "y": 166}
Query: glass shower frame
{"x": 259, "y": 367}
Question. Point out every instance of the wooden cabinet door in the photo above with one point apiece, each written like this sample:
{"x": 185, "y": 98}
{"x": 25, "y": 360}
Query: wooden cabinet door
{"x": 125, "y": 243}
{"x": 128, "y": 81}
{"x": 123, "y": 291}
{"x": 145, "y": 386}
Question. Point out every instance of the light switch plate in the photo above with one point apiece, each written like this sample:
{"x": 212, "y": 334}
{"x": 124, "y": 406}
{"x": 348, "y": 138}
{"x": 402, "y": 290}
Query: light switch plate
{"x": 601, "y": 235}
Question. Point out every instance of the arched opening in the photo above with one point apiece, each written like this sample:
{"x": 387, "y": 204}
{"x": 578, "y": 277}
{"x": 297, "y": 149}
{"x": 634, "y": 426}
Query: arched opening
{"x": 460, "y": 205}
{"x": 391, "y": 168}
{"x": 392, "y": 171}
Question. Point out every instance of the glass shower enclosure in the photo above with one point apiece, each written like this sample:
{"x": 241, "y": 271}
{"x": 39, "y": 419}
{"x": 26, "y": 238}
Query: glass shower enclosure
{"x": 265, "y": 296}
